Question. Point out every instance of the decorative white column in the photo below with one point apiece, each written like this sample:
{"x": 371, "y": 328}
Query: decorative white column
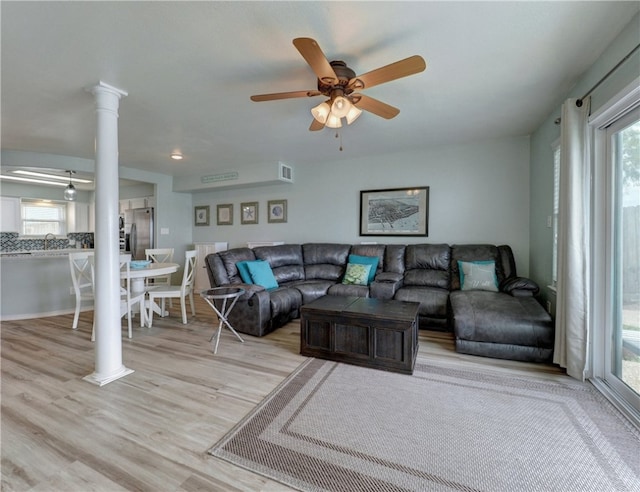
{"x": 108, "y": 344}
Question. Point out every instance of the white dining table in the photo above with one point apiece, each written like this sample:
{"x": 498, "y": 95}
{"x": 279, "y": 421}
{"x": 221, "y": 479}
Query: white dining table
{"x": 138, "y": 276}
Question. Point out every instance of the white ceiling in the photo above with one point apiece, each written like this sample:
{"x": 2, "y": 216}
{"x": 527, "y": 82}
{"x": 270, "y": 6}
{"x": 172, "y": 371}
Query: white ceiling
{"x": 493, "y": 69}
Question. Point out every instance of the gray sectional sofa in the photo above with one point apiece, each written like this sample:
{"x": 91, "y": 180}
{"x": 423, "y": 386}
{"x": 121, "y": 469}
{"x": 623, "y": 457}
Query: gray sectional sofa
{"x": 493, "y": 313}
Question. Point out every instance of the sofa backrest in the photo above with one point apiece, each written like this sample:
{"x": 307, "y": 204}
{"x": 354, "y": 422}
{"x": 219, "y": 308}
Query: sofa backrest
{"x": 508, "y": 261}
{"x": 427, "y": 265}
{"x": 285, "y": 261}
{"x": 376, "y": 250}
{"x": 221, "y": 266}
{"x": 501, "y": 255}
{"x": 325, "y": 261}
{"x": 394, "y": 258}
{"x": 433, "y": 265}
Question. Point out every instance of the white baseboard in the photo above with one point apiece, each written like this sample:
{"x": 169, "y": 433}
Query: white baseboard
{"x": 15, "y": 317}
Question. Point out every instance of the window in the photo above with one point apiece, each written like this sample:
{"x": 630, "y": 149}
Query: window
{"x": 41, "y": 217}
{"x": 556, "y": 207}
{"x": 623, "y": 319}
{"x": 614, "y": 322}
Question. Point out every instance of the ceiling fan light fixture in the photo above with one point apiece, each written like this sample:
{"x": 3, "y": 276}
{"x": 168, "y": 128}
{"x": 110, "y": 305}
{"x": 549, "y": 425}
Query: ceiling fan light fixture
{"x": 70, "y": 192}
{"x": 340, "y": 106}
{"x": 353, "y": 114}
{"x": 321, "y": 112}
{"x": 333, "y": 121}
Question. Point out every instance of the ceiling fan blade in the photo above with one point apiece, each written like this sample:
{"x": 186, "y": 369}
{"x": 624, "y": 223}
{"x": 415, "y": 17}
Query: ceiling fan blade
{"x": 374, "y": 106}
{"x": 284, "y": 95}
{"x": 316, "y": 125}
{"x": 311, "y": 52}
{"x": 403, "y": 68}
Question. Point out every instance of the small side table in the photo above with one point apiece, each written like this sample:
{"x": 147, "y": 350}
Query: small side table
{"x": 224, "y": 294}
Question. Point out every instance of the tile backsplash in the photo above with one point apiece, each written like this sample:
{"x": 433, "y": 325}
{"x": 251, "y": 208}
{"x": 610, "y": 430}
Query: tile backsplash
{"x": 11, "y": 241}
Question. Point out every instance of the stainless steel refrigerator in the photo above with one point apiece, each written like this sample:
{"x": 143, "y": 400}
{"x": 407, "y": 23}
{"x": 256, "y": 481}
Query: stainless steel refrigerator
{"x": 140, "y": 222}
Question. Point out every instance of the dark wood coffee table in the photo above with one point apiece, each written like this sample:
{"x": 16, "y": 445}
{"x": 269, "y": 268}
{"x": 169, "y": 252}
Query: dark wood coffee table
{"x": 381, "y": 334}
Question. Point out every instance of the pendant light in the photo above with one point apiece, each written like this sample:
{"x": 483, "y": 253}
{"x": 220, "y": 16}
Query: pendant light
{"x": 70, "y": 191}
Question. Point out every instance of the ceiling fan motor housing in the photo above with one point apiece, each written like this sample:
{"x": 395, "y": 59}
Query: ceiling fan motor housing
{"x": 344, "y": 74}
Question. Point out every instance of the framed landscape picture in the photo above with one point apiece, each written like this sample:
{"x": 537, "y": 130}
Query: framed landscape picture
{"x": 249, "y": 213}
{"x": 225, "y": 214}
{"x": 202, "y": 215}
{"x": 395, "y": 212}
{"x": 277, "y": 211}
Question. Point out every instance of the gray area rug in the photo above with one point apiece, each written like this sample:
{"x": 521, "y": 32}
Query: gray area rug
{"x": 338, "y": 427}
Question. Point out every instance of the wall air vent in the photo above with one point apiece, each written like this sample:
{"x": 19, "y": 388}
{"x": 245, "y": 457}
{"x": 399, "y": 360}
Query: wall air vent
{"x": 285, "y": 173}
{"x": 248, "y": 176}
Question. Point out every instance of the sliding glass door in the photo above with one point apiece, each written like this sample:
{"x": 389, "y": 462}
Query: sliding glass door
{"x": 622, "y": 334}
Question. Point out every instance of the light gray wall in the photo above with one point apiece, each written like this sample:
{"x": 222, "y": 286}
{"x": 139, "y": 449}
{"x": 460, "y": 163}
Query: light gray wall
{"x": 542, "y": 139}
{"x": 479, "y": 192}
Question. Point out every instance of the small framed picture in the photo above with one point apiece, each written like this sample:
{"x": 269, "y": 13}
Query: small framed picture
{"x": 225, "y": 214}
{"x": 277, "y": 211}
{"x": 202, "y": 215}
{"x": 249, "y": 213}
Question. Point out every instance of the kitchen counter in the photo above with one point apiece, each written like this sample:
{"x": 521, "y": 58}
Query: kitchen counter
{"x": 40, "y": 253}
{"x": 36, "y": 284}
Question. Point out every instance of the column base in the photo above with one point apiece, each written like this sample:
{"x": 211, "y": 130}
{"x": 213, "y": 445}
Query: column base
{"x": 101, "y": 380}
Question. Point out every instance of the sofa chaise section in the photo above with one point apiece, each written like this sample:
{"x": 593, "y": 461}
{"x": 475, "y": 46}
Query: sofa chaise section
{"x": 508, "y": 323}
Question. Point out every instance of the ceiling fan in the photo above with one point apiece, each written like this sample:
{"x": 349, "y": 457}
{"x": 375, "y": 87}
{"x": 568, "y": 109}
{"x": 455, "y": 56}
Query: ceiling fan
{"x": 340, "y": 84}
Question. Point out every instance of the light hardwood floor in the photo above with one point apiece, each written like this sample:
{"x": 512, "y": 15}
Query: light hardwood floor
{"x": 149, "y": 430}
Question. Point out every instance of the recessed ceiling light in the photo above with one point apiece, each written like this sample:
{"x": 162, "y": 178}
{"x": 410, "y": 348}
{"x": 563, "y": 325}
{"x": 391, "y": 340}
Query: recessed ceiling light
{"x": 176, "y": 156}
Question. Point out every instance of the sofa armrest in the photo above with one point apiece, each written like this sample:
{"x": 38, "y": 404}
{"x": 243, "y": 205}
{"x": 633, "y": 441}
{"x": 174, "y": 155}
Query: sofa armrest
{"x": 385, "y": 285}
{"x": 249, "y": 290}
{"x": 519, "y": 287}
{"x": 252, "y": 313}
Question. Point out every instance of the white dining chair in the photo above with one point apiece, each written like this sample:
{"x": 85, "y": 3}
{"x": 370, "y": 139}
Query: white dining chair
{"x": 182, "y": 291}
{"x": 127, "y": 298}
{"x": 81, "y": 279}
{"x": 159, "y": 255}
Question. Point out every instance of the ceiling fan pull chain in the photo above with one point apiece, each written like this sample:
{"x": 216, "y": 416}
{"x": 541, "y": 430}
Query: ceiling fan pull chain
{"x": 338, "y": 134}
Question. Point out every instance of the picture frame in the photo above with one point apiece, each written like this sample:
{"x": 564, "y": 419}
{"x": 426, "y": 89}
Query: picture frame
{"x": 249, "y": 213}
{"x": 201, "y": 215}
{"x": 395, "y": 212}
{"x": 224, "y": 214}
{"x": 277, "y": 211}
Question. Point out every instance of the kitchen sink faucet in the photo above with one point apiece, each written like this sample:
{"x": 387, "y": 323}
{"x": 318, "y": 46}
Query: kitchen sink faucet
{"x": 46, "y": 239}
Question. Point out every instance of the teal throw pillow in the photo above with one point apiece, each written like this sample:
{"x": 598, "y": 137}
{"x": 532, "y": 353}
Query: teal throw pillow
{"x": 261, "y": 274}
{"x": 366, "y": 260}
{"x": 478, "y": 275}
{"x": 243, "y": 270}
{"x": 356, "y": 274}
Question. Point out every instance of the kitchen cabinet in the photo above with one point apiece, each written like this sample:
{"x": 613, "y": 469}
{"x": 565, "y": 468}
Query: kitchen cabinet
{"x": 10, "y": 218}
{"x": 92, "y": 217}
{"x": 78, "y": 217}
{"x": 201, "y": 280}
{"x": 140, "y": 202}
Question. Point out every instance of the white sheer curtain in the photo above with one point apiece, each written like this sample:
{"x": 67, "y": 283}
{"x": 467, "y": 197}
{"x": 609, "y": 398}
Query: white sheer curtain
{"x": 572, "y": 337}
